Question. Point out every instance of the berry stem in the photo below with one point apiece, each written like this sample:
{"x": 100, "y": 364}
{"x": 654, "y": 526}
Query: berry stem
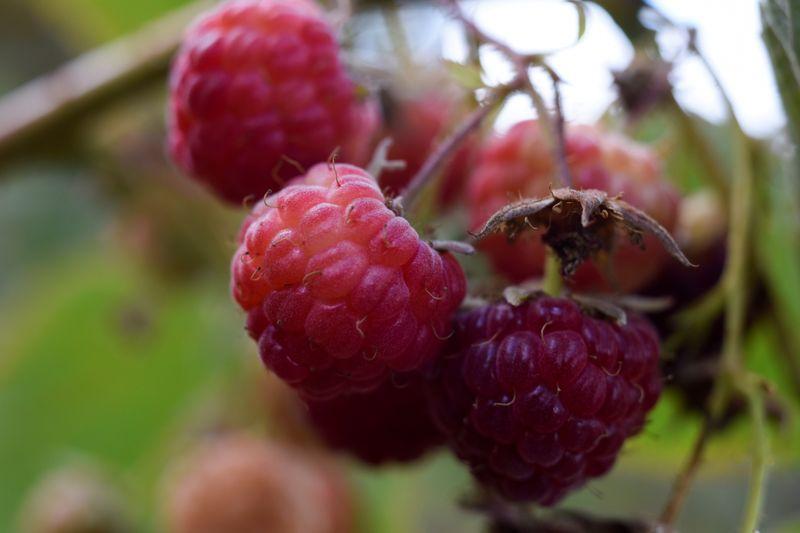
{"x": 451, "y": 144}
{"x": 553, "y": 126}
{"x": 52, "y": 102}
{"x": 397, "y": 36}
{"x": 680, "y": 489}
{"x": 733, "y": 374}
{"x": 380, "y": 159}
{"x": 552, "y": 282}
{"x": 758, "y": 470}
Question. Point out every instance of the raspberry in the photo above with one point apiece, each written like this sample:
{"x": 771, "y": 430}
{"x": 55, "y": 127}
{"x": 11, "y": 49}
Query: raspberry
{"x": 240, "y": 483}
{"x": 538, "y": 398}
{"x": 258, "y": 88}
{"x": 388, "y": 424}
{"x": 339, "y": 290}
{"x": 416, "y": 125}
{"x": 519, "y": 164}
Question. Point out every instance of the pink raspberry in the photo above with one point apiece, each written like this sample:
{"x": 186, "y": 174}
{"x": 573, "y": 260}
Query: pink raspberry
{"x": 339, "y": 290}
{"x": 537, "y": 399}
{"x": 519, "y": 164}
{"x": 389, "y": 424}
{"x": 416, "y": 126}
{"x": 244, "y": 484}
{"x": 258, "y": 89}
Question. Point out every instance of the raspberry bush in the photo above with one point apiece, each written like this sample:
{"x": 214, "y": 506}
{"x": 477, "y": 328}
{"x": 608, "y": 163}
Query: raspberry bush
{"x": 424, "y": 268}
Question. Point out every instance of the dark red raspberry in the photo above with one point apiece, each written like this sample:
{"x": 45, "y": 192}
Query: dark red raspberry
{"x": 388, "y": 424}
{"x": 519, "y": 164}
{"x": 258, "y": 88}
{"x": 243, "y": 484}
{"x": 339, "y": 290}
{"x": 416, "y": 126}
{"x": 537, "y": 399}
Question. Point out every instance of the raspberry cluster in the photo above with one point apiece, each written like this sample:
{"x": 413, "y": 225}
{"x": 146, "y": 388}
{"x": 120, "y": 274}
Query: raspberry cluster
{"x": 519, "y": 164}
{"x": 537, "y": 399}
{"x": 351, "y": 308}
{"x": 340, "y": 291}
{"x": 258, "y": 90}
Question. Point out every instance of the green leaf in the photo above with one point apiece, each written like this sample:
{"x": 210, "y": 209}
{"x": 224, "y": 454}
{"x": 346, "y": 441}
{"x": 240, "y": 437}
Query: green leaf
{"x": 97, "y": 361}
{"x": 468, "y": 76}
{"x": 781, "y": 21}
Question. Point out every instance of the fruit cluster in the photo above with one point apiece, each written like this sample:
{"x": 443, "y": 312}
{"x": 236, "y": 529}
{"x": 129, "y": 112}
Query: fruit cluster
{"x": 351, "y": 307}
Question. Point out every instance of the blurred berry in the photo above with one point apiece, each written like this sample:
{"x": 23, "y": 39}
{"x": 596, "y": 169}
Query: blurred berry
{"x": 243, "y": 484}
{"x": 257, "y": 90}
{"x": 519, "y": 164}
{"x": 389, "y": 424}
{"x": 417, "y": 124}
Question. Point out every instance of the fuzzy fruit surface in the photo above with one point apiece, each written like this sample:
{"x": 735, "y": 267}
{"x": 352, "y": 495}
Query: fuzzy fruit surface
{"x": 539, "y": 398}
{"x": 257, "y": 89}
{"x": 519, "y": 164}
{"x": 340, "y": 291}
{"x": 245, "y": 484}
{"x": 417, "y": 124}
{"x": 389, "y": 424}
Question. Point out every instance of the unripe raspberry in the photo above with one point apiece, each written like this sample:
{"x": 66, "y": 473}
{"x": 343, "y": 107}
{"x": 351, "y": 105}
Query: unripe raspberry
{"x": 258, "y": 88}
{"x": 417, "y": 124}
{"x": 389, "y": 424}
{"x": 537, "y": 399}
{"x": 243, "y": 484}
{"x": 339, "y": 290}
{"x": 519, "y": 164}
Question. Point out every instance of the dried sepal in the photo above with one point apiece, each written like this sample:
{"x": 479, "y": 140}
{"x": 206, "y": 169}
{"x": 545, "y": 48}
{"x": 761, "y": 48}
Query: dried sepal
{"x": 579, "y": 224}
{"x": 456, "y": 247}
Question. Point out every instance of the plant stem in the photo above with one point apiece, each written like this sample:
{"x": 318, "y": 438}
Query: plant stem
{"x": 735, "y": 275}
{"x": 696, "y": 141}
{"x": 397, "y": 36}
{"x": 734, "y": 375}
{"x": 758, "y": 475}
{"x": 451, "y": 144}
{"x": 552, "y": 282}
{"x": 49, "y": 103}
{"x": 553, "y": 129}
{"x": 684, "y": 481}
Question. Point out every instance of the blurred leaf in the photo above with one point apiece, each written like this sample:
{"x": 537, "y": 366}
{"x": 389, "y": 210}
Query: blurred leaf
{"x": 467, "y": 76}
{"x": 86, "y": 23}
{"x": 45, "y": 211}
{"x": 97, "y": 361}
{"x": 781, "y": 21}
{"x": 580, "y": 7}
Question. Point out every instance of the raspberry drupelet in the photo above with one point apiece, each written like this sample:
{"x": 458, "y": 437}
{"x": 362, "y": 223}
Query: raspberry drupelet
{"x": 537, "y": 399}
{"x": 390, "y": 424}
{"x": 519, "y": 164}
{"x": 258, "y": 89}
{"x": 340, "y": 291}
